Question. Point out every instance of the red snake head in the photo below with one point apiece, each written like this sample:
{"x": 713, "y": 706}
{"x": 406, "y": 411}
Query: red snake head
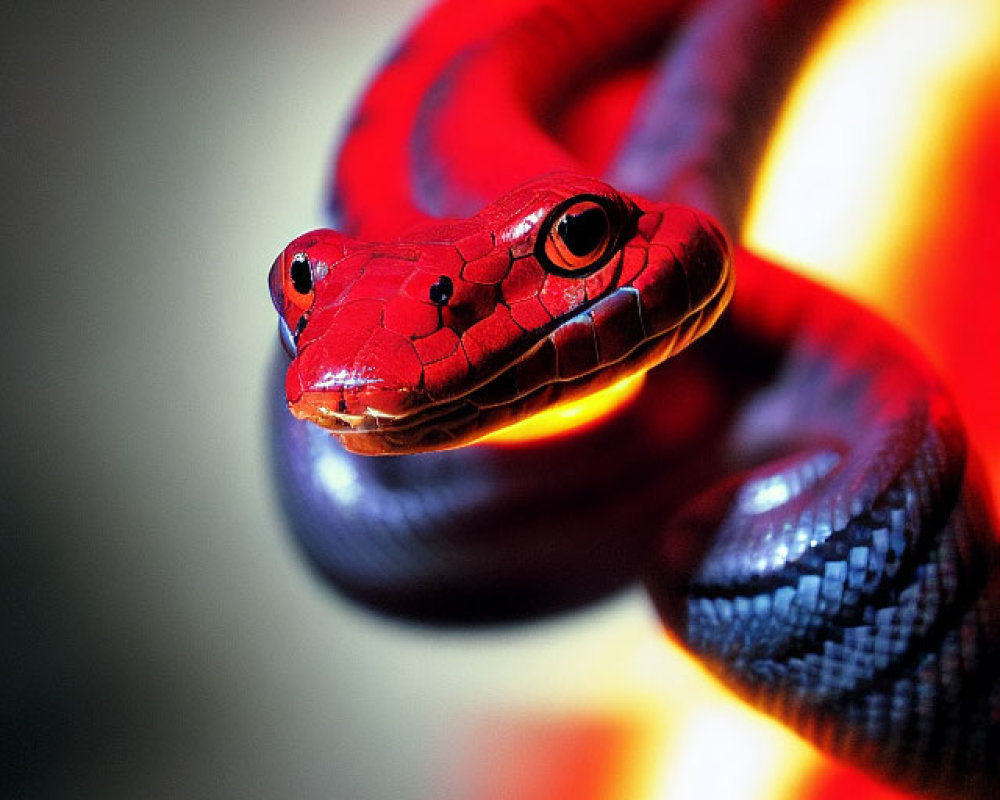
{"x": 556, "y": 289}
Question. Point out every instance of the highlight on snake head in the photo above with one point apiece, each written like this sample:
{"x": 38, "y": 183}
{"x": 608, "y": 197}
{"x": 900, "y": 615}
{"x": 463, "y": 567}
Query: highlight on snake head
{"x": 459, "y": 328}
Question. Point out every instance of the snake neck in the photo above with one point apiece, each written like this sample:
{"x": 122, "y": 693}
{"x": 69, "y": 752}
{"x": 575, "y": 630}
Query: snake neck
{"x": 702, "y": 125}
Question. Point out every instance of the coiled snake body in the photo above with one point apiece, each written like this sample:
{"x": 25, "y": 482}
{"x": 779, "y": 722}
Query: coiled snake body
{"x": 794, "y": 487}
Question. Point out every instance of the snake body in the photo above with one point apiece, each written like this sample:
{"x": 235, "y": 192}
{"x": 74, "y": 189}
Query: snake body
{"x": 792, "y": 483}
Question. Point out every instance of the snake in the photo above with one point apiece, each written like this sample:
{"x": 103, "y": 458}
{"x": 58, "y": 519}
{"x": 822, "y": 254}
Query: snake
{"x": 538, "y": 200}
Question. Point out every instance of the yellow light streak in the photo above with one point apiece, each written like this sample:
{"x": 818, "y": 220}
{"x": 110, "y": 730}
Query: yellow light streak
{"x": 563, "y": 418}
{"x": 855, "y": 155}
{"x": 700, "y": 744}
{"x": 853, "y": 160}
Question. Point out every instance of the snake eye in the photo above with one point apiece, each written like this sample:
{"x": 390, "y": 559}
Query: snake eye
{"x": 577, "y": 237}
{"x": 299, "y": 286}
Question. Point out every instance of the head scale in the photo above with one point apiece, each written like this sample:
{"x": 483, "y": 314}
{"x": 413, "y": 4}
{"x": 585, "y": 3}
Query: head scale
{"x": 558, "y": 288}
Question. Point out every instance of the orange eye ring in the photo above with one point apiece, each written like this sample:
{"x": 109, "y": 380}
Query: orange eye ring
{"x": 579, "y": 236}
{"x": 298, "y": 284}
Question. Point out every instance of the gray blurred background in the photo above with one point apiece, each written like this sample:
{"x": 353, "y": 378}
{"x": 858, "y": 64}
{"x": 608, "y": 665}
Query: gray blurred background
{"x": 161, "y": 636}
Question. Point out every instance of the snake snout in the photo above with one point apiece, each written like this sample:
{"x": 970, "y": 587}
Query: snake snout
{"x": 357, "y": 380}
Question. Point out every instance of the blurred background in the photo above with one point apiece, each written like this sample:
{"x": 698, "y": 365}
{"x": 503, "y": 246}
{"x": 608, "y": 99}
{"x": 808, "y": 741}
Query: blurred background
{"x": 161, "y": 636}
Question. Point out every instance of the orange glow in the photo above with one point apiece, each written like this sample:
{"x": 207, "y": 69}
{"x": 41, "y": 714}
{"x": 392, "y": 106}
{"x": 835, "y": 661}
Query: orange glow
{"x": 851, "y": 165}
{"x": 570, "y": 416}
{"x": 883, "y": 180}
{"x": 875, "y": 140}
{"x": 698, "y": 742}
{"x": 715, "y": 747}
{"x": 862, "y": 147}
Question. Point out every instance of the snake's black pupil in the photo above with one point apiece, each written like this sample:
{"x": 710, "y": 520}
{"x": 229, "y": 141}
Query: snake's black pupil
{"x": 442, "y": 290}
{"x": 302, "y": 279}
{"x": 584, "y": 231}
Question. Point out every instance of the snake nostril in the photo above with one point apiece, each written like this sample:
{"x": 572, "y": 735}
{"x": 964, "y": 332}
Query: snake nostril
{"x": 300, "y": 326}
{"x": 442, "y": 291}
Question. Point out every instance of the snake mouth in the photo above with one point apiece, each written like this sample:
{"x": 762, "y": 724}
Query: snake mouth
{"x": 534, "y": 381}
